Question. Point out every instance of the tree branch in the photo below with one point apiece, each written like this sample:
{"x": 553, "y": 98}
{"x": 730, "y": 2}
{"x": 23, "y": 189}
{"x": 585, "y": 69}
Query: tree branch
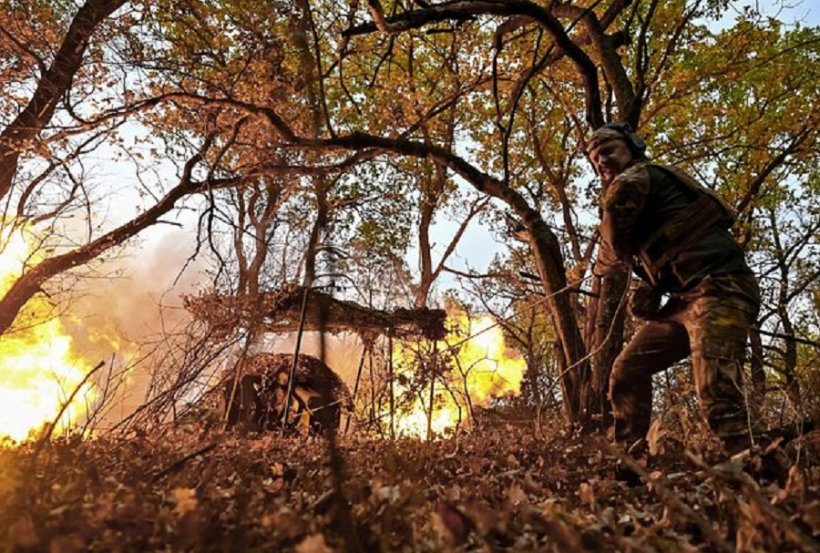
{"x": 461, "y": 10}
{"x": 53, "y": 84}
{"x": 29, "y": 284}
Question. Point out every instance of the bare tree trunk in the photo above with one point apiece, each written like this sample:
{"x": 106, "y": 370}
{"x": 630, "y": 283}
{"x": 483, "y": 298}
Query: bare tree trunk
{"x": 790, "y": 359}
{"x": 390, "y": 376}
{"x": 426, "y": 210}
{"x": 532, "y": 378}
{"x": 356, "y": 388}
{"x": 430, "y": 407}
{"x": 549, "y": 261}
{"x": 238, "y": 244}
{"x": 606, "y": 344}
{"x": 790, "y": 344}
{"x": 467, "y": 395}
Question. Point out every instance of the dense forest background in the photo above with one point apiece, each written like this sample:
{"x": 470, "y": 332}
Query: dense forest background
{"x": 361, "y": 150}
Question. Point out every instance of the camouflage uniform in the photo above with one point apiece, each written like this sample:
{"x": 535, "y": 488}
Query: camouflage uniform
{"x": 714, "y": 299}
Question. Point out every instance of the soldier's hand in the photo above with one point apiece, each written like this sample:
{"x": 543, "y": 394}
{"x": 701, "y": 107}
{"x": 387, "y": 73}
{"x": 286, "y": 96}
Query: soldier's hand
{"x": 607, "y": 262}
{"x": 645, "y": 302}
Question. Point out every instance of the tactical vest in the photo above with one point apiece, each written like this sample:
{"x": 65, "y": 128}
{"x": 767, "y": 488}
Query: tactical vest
{"x": 685, "y": 227}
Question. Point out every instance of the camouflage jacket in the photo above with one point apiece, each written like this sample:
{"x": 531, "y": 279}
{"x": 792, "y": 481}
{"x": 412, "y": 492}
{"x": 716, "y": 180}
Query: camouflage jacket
{"x": 636, "y": 204}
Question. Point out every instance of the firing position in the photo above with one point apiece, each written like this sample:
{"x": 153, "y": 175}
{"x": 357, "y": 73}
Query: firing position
{"x": 258, "y": 403}
{"x": 674, "y": 233}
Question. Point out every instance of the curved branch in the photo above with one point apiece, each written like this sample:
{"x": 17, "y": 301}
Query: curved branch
{"x": 29, "y": 284}
{"x": 466, "y": 9}
{"x": 614, "y": 70}
{"x": 53, "y": 84}
{"x": 774, "y": 163}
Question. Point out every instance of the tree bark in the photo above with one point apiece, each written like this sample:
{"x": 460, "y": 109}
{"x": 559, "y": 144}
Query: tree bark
{"x": 606, "y": 344}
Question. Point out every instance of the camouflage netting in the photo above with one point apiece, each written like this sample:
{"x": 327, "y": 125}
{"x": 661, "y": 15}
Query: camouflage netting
{"x": 280, "y": 310}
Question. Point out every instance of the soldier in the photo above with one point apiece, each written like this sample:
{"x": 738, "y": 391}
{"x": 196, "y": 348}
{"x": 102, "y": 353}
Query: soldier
{"x": 674, "y": 233}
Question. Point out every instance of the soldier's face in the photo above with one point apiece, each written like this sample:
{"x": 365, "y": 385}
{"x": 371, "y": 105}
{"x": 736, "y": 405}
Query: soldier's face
{"x": 610, "y": 158}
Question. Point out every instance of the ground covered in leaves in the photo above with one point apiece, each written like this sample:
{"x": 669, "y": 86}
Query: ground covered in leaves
{"x": 499, "y": 489}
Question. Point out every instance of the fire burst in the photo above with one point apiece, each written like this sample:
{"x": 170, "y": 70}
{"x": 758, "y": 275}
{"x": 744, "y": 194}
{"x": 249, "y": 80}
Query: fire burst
{"x": 38, "y": 372}
{"x": 478, "y": 367}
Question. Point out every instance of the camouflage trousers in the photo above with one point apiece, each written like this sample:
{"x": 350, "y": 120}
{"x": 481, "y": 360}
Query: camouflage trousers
{"x": 711, "y": 322}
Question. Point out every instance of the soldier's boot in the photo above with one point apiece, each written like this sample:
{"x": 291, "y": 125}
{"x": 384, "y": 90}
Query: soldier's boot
{"x": 747, "y": 446}
{"x": 765, "y": 458}
{"x": 639, "y": 452}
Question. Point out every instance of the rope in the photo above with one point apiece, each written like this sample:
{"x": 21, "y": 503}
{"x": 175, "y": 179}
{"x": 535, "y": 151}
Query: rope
{"x": 603, "y": 343}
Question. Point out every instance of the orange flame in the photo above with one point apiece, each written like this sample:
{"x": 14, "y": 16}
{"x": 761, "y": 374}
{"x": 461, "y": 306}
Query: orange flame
{"x": 479, "y": 368}
{"x": 38, "y": 370}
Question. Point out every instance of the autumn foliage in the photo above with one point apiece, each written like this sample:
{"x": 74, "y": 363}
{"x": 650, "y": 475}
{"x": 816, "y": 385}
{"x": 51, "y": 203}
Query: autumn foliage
{"x": 500, "y": 488}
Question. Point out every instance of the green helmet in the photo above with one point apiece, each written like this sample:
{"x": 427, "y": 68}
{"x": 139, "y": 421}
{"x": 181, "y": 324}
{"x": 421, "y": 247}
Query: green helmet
{"x": 617, "y": 130}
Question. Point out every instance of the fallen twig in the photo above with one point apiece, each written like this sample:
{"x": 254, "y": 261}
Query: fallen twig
{"x": 176, "y": 465}
{"x": 669, "y": 497}
{"x": 750, "y": 488}
{"x": 46, "y": 436}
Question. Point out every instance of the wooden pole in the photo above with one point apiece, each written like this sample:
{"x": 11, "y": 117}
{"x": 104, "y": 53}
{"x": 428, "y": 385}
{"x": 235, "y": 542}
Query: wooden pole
{"x": 356, "y": 387}
{"x": 432, "y": 391}
{"x": 390, "y": 382}
{"x": 372, "y": 391}
{"x": 292, "y": 374}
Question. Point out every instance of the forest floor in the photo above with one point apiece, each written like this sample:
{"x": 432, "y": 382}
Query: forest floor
{"x": 494, "y": 489}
